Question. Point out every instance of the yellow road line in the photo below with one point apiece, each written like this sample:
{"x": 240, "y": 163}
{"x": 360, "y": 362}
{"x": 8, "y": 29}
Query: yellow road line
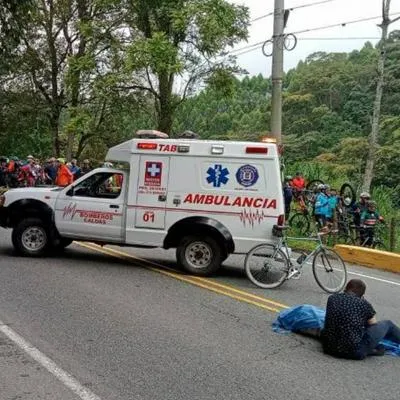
{"x": 204, "y": 280}
{"x": 205, "y": 283}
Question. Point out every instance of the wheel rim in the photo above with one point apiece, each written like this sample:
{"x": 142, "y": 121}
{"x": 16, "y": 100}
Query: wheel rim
{"x": 329, "y": 271}
{"x": 198, "y": 255}
{"x": 266, "y": 267}
{"x": 34, "y": 238}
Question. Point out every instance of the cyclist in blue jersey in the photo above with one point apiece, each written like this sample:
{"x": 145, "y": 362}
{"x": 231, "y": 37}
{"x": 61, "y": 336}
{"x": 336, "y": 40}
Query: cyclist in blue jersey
{"x": 321, "y": 206}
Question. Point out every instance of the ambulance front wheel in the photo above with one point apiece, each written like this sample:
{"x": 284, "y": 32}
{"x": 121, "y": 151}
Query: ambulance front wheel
{"x": 200, "y": 255}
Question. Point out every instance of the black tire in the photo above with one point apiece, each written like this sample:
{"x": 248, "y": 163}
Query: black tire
{"x": 328, "y": 264}
{"x": 266, "y": 266}
{"x": 31, "y": 237}
{"x": 312, "y": 185}
{"x": 200, "y": 255}
{"x": 346, "y": 190}
{"x": 300, "y": 223}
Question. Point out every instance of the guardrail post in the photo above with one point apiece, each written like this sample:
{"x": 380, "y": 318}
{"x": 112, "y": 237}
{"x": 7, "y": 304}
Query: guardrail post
{"x": 392, "y": 234}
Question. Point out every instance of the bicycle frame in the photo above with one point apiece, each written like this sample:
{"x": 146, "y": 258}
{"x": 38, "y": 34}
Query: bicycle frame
{"x": 282, "y": 244}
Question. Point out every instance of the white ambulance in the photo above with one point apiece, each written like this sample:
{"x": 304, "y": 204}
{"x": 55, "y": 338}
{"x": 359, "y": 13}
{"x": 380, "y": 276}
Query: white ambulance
{"x": 207, "y": 199}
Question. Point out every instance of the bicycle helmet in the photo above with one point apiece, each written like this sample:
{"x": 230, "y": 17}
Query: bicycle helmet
{"x": 107, "y": 165}
{"x": 365, "y": 195}
{"x": 288, "y": 178}
{"x": 321, "y": 186}
{"x": 371, "y": 204}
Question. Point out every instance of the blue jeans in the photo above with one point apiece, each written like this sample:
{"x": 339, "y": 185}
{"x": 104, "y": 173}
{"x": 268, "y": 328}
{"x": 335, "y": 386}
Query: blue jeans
{"x": 374, "y": 334}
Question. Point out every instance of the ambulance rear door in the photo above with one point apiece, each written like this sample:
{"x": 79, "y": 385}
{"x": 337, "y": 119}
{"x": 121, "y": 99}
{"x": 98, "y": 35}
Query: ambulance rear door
{"x": 152, "y": 190}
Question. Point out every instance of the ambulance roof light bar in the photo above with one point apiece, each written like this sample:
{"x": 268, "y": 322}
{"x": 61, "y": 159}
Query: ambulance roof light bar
{"x": 151, "y": 134}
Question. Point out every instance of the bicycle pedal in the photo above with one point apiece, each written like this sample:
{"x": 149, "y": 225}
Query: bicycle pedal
{"x": 294, "y": 273}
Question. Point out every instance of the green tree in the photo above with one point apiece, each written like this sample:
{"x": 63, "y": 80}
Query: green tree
{"x": 178, "y": 43}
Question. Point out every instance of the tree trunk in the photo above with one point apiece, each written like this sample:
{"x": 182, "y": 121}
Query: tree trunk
{"x": 373, "y": 138}
{"x": 75, "y": 86}
{"x": 166, "y": 106}
{"x": 55, "y": 140}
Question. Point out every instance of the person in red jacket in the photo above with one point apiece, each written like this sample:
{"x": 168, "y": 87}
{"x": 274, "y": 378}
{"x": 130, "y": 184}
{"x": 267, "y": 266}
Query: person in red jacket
{"x": 64, "y": 175}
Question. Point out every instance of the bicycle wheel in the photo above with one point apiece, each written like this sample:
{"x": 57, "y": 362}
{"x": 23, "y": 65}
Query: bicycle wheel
{"x": 312, "y": 185}
{"x": 300, "y": 223}
{"x": 329, "y": 270}
{"x": 347, "y": 190}
{"x": 266, "y": 266}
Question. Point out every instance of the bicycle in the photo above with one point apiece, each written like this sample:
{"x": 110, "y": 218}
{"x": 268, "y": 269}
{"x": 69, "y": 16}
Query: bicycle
{"x": 268, "y": 266}
{"x": 370, "y": 236}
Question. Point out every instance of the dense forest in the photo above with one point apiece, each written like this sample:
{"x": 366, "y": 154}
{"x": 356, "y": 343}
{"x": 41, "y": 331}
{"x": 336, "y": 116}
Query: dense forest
{"x": 78, "y": 76}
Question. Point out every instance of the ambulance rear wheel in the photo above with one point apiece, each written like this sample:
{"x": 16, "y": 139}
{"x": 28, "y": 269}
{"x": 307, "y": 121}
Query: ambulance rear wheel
{"x": 199, "y": 255}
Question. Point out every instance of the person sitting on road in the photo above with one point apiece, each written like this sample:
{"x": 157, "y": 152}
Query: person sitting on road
{"x": 368, "y": 220}
{"x": 351, "y": 330}
{"x": 321, "y": 206}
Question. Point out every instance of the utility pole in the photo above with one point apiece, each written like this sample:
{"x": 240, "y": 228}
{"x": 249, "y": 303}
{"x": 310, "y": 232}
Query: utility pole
{"x": 277, "y": 70}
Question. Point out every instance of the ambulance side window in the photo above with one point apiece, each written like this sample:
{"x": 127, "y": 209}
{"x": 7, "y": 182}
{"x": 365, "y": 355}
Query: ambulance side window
{"x": 104, "y": 185}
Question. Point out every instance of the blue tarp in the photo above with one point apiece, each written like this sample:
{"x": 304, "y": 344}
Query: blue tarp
{"x": 304, "y": 317}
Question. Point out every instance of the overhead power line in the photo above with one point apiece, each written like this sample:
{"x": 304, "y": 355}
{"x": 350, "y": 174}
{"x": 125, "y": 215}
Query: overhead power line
{"x": 255, "y": 47}
{"x": 291, "y": 9}
{"x": 341, "y": 24}
{"x": 339, "y": 38}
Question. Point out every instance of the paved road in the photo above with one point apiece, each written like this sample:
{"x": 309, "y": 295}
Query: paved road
{"x": 110, "y": 329}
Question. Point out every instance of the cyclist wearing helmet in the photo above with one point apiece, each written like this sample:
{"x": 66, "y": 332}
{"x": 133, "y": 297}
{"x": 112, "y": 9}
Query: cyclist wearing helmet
{"x": 321, "y": 206}
{"x": 369, "y": 218}
{"x": 358, "y": 208}
{"x": 298, "y": 182}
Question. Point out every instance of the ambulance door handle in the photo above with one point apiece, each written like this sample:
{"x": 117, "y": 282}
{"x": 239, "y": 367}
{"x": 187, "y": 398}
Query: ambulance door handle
{"x": 114, "y": 206}
{"x": 162, "y": 197}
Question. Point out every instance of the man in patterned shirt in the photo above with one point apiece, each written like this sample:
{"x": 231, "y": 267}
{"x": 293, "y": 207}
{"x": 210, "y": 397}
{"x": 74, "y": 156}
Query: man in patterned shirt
{"x": 351, "y": 329}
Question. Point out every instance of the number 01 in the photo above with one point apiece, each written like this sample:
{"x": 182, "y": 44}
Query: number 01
{"x": 148, "y": 216}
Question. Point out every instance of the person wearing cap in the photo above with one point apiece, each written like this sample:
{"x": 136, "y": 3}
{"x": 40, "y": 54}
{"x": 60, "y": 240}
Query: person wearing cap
{"x": 64, "y": 175}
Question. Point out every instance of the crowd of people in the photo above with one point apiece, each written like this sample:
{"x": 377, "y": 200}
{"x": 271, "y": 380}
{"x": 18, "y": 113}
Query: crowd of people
{"x": 328, "y": 206}
{"x": 32, "y": 172}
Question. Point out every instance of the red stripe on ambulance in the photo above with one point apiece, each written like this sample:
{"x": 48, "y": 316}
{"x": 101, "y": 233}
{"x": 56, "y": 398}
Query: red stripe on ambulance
{"x": 230, "y": 201}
